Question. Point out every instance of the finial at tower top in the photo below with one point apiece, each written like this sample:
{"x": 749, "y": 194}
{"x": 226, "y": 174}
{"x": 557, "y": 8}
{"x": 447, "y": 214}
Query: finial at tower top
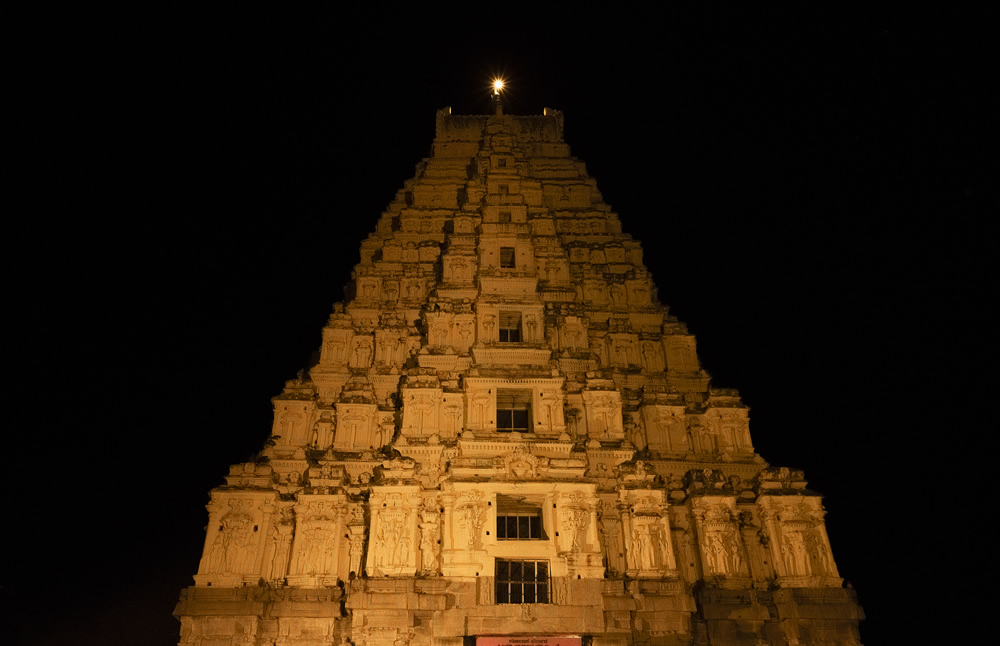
{"x": 498, "y": 87}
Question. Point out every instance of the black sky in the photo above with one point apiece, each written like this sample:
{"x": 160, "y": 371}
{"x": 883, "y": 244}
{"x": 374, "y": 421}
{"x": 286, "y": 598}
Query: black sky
{"x": 806, "y": 184}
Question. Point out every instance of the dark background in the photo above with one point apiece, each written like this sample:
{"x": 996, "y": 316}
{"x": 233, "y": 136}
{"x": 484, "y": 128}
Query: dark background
{"x": 195, "y": 188}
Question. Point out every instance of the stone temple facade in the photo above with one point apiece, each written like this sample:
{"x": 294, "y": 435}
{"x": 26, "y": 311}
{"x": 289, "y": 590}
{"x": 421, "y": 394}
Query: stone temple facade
{"x": 507, "y": 439}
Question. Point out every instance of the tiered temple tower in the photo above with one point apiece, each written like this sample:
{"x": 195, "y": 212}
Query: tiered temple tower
{"x": 508, "y": 436}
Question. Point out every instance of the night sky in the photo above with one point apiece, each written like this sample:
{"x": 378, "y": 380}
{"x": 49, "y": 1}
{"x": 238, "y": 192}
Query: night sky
{"x": 805, "y": 184}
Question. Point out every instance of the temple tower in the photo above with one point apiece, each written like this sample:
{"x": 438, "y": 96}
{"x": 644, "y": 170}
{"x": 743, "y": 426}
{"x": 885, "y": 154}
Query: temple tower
{"x": 507, "y": 436}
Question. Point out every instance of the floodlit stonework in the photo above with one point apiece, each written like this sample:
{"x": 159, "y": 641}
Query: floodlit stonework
{"x": 507, "y": 435}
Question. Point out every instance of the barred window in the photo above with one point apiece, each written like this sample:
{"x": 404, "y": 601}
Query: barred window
{"x": 519, "y": 527}
{"x": 518, "y": 519}
{"x": 522, "y": 581}
{"x": 513, "y": 411}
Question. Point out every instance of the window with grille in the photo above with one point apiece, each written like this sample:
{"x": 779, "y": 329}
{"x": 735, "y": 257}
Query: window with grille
{"x": 513, "y": 411}
{"x": 504, "y": 218}
{"x": 522, "y": 581}
{"x": 518, "y": 520}
{"x": 507, "y": 257}
{"x": 510, "y": 327}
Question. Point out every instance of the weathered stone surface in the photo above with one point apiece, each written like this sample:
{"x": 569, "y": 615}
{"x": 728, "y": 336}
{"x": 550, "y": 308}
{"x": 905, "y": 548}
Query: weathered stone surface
{"x": 507, "y": 434}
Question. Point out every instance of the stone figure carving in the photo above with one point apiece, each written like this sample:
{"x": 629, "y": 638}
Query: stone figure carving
{"x": 819, "y": 554}
{"x": 639, "y": 548}
{"x": 281, "y": 542}
{"x": 574, "y": 524}
{"x": 612, "y": 540}
{"x": 465, "y": 332}
{"x": 471, "y": 518}
{"x": 650, "y": 547}
{"x": 716, "y": 555}
{"x": 531, "y": 324}
{"x": 793, "y": 551}
{"x": 439, "y": 333}
{"x": 362, "y": 355}
{"x": 367, "y": 290}
{"x": 391, "y": 290}
{"x": 402, "y": 549}
{"x": 489, "y": 323}
{"x": 452, "y": 418}
{"x": 430, "y": 550}
{"x": 232, "y": 549}
{"x": 481, "y": 402}
{"x": 551, "y": 403}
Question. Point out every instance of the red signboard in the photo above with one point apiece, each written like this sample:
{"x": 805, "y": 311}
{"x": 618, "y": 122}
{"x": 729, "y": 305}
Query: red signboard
{"x": 528, "y": 640}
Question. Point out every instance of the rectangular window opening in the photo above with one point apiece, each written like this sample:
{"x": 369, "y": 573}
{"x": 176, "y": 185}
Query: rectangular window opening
{"x": 522, "y": 581}
{"x": 510, "y": 327}
{"x": 513, "y": 411}
{"x": 507, "y": 259}
{"x": 518, "y": 520}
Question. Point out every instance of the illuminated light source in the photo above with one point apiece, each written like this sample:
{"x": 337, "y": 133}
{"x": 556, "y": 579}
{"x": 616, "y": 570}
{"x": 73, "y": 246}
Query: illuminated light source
{"x": 497, "y": 86}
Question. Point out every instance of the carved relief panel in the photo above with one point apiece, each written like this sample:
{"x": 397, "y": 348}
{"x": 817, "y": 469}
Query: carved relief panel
{"x": 292, "y": 419}
{"x": 623, "y": 349}
{"x": 357, "y": 427}
{"x": 666, "y": 430}
{"x": 799, "y": 545}
{"x": 439, "y": 328}
{"x": 369, "y": 288}
{"x": 619, "y": 296}
{"x": 573, "y": 334}
{"x": 279, "y": 544}
{"x": 732, "y": 427}
{"x": 470, "y": 518}
{"x": 648, "y": 547}
{"x": 362, "y": 351}
{"x": 452, "y": 414}
{"x": 652, "y": 356}
{"x": 595, "y": 293}
{"x": 612, "y": 543}
{"x": 458, "y": 268}
{"x": 681, "y": 352}
{"x": 702, "y": 432}
{"x": 548, "y": 406}
{"x": 603, "y": 414}
{"x": 235, "y": 539}
{"x": 720, "y": 543}
{"x": 413, "y": 289}
{"x": 464, "y": 331}
{"x": 577, "y": 523}
{"x": 323, "y": 429}
{"x": 336, "y": 345}
{"x": 317, "y": 551}
{"x": 554, "y": 270}
{"x": 421, "y": 411}
{"x": 390, "y": 347}
{"x": 394, "y": 532}
{"x": 481, "y": 404}
{"x": 430, "y": 536}
{"x": 639, "y": 293}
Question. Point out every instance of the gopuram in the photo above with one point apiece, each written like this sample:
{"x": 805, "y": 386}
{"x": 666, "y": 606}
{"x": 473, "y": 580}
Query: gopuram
{"x": 508, "y": 440}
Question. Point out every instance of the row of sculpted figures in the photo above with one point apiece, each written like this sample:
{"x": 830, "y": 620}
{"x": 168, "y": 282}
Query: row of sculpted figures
{"x": 433, "y": 411}
{"x": 360, "y": 349}
{"x": 321, "y": 539}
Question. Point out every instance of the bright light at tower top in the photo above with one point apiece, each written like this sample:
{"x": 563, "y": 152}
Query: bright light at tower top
{"x": 497, "y": 85}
